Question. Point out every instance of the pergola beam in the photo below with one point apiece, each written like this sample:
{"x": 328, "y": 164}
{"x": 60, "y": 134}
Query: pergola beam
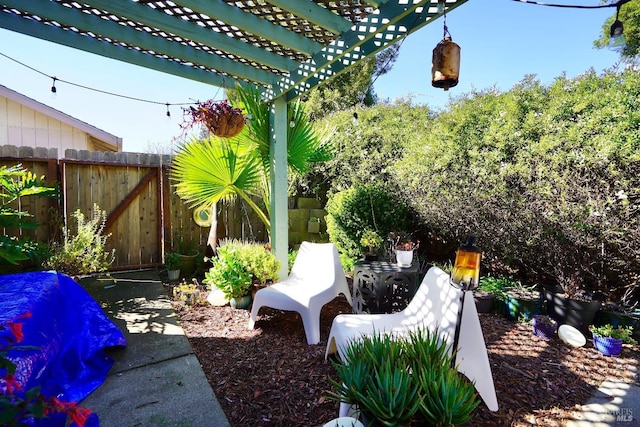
{"x": 159, "y": 46}
{"x": 218, "y": 9}
{"x": 313, "y": 13}
{"x": 175, "y": 25}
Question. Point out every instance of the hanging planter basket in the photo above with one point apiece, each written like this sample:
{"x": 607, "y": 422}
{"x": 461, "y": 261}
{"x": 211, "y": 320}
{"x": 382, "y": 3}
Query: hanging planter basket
{"x": 220, "y": 117}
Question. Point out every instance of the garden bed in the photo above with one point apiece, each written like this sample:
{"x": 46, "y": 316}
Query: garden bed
{"x": 269, "y": 376}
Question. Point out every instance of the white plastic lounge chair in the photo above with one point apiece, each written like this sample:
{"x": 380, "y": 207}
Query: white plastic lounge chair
{"x": 435, "y": 305}
{"x": 316, "y": 278}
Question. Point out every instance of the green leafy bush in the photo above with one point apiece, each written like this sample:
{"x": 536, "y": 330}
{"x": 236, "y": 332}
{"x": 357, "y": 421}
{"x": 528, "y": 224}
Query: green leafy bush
{"x": 239, "y": 264}
{"x": 85, "y": 251}
{"x": 545, "y": 176}
{"x": 15, "y": 183}
{"x": 352, "y": 212}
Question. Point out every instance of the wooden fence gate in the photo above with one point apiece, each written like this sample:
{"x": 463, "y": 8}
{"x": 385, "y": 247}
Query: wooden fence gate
{"x": 144, "y": 217}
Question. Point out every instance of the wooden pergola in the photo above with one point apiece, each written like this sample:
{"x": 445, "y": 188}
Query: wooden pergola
{"x": 285, "y": 47}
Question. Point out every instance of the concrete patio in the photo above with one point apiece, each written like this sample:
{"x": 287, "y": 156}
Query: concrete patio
{"x": 156, "y": 380}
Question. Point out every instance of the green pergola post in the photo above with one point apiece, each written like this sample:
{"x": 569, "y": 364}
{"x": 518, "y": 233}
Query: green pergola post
{"x": 278, "y": 172}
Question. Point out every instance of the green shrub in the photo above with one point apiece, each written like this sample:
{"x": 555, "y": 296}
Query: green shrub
{"x": 85, "y": 251}
{"x": 352, "y": 212}
{"x": 240, "y": 262}
{"x": 16, "y": 183}
{"x": 545, "y": 176}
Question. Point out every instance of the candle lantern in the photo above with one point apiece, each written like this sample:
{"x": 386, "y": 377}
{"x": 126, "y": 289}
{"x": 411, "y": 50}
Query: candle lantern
{"x": 466, "y": 269}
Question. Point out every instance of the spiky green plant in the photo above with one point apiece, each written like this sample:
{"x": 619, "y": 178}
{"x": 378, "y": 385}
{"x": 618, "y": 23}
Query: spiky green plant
{"x": 398, "y": 380}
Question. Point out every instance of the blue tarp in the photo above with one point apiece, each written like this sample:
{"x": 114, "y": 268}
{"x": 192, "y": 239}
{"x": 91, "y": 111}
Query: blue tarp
{"x": 67, "y": 326}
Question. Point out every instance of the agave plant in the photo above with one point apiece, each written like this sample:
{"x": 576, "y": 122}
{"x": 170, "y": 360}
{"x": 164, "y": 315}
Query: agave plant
{"x": 404, "y": 380}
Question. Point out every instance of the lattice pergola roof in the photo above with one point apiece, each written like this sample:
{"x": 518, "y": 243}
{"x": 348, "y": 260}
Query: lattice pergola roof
{"x": 284, "y": 46}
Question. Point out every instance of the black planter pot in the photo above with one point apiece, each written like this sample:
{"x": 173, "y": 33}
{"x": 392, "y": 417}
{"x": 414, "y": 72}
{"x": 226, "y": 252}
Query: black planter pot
{"x": 616, "y": 318}
{"x": 579, "y": 314}
{"x": 484, "y": 301}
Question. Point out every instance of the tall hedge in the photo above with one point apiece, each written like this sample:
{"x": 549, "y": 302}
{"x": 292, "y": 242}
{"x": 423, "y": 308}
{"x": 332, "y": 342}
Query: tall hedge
{"x": 548, "y": 177}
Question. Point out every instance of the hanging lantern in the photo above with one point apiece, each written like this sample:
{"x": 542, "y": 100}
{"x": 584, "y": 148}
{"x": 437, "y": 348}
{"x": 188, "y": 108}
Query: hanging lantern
{"x": 466, "y": 269}
{"x": 445, "y": 66}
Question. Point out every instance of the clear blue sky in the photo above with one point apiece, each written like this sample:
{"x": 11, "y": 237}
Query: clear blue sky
{"x": 502, "y": 41}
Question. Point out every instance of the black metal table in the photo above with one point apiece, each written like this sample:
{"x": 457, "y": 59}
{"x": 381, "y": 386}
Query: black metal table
{"x": 382, "y": 286}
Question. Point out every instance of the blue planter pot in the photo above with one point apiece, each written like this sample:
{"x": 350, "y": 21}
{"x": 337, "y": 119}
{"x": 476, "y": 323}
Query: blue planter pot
{"x": 607, "y": 345}
{"x": 522, "y": 308}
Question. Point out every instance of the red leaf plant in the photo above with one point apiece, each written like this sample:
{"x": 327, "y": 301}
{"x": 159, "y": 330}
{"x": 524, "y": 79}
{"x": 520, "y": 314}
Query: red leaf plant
{"x": 18, "y": 406}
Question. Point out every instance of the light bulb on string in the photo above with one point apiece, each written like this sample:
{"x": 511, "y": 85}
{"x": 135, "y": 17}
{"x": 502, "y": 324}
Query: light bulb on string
{"x": 292, "y": 123}
{"x": 168, "y": 113}
{"x": 616, "y": 40}
{"x": 354, "y": 120}
{"x": 54, "y": 91}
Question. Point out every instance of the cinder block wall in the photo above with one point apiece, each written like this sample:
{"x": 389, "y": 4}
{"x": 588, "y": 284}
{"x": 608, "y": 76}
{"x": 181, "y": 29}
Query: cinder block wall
{"x": 300, "y": 229}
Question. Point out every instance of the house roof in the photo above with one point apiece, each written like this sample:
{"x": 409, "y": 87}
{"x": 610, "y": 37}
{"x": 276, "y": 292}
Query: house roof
{"x": 104, "y": 141}
{"x": 285, "y": 47}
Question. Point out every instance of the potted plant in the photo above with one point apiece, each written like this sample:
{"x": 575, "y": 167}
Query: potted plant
{"x": 313, "y": 226}
{"x": 402, "y": 246}
{"x": 608, "y": 339}
{"x": 623, "y": 313}
{"x": 489, "y": 295}
{"x": 372, "y": 241}
{"x": 523, "y": 302}
{"x": 232, "y": 278}
{"x": 544, "y": 326}
{"x": 240, "y": 268}
{"x": 187, "y": 253}
{"x": 400, "y": 380}
{"x": 219, "y": 117}
{"x": 570, "y": 304}
{"x": 172, "y": 263}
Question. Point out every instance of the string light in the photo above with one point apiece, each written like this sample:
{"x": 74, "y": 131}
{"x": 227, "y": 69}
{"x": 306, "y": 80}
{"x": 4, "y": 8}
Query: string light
{"x": 292, "y": 123}
{"x": 355, "y": 119}
{"x": 54, "y": 89}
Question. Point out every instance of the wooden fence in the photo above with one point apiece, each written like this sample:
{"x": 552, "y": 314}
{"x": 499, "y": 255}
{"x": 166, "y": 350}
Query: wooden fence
{"x": 144, "y": 215}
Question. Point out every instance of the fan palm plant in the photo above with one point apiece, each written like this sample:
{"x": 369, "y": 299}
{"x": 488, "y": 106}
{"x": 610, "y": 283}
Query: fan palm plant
{"x": 218, "y": 169}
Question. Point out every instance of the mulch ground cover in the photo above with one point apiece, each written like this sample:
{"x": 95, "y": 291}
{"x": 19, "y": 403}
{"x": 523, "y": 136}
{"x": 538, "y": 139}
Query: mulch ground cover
{"x": 269, "y": 376}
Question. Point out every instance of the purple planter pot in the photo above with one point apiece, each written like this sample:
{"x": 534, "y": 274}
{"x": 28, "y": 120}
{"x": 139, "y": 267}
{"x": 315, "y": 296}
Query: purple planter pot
{"x": 544, "y": 328}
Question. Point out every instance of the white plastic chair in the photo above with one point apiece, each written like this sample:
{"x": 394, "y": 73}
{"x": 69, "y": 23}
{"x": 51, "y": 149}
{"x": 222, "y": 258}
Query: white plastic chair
{"x": 316, "y": 278}
{"x": 435, "y": 305}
